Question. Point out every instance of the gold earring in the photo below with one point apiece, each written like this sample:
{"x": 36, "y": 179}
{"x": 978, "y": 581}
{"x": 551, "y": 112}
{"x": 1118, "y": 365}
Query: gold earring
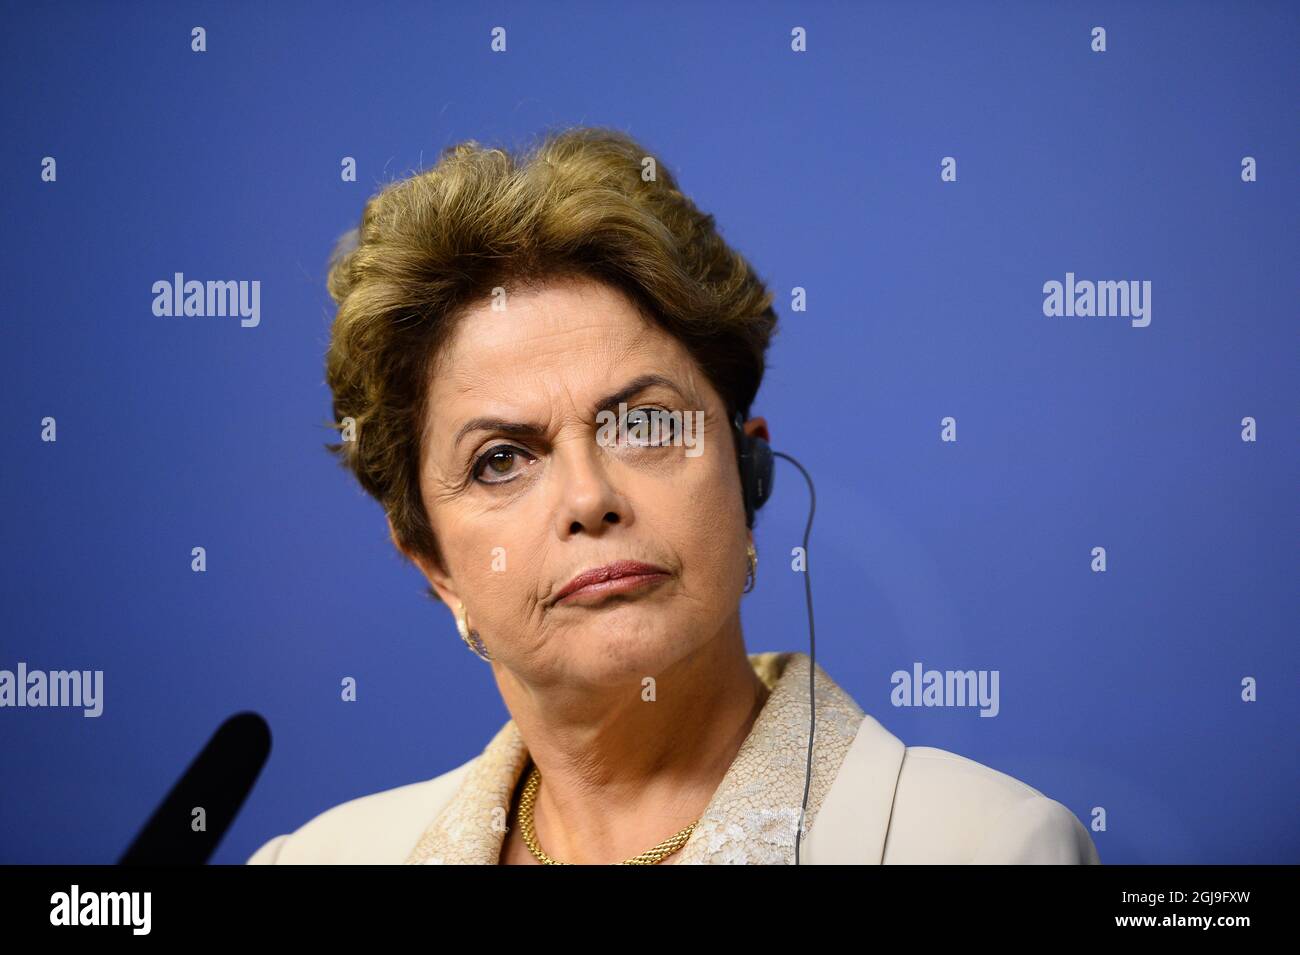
{"x": 471, "y": 637}
{"x": 752, "y": 556}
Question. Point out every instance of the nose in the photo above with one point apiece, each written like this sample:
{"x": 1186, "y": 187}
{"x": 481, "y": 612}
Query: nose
{"x": 588, "y": 500}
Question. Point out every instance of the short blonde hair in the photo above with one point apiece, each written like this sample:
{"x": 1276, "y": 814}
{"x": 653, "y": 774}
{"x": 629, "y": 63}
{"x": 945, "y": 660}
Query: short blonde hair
{"x": 434, "y": 244}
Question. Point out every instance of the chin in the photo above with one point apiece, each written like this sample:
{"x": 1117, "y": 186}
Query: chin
{"x": 619, "y": 644}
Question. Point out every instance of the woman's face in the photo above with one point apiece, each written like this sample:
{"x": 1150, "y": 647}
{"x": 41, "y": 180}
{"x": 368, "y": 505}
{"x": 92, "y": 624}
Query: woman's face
{"x": 518, "y": 515}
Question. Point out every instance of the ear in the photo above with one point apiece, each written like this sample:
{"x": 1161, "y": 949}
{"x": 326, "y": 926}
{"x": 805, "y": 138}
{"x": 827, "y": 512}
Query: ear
{"x": 757, "y": 427}
{"x": 436, "y": 575}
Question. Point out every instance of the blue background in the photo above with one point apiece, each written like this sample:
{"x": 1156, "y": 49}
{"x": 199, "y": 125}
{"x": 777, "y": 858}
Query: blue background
{"x": 1119, "y": 690}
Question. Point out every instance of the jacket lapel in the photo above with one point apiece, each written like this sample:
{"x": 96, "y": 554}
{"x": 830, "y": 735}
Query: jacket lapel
{"x": 472, "y": 826}
{"x": 754, "y": 813}
{"x": 854, "y": 819}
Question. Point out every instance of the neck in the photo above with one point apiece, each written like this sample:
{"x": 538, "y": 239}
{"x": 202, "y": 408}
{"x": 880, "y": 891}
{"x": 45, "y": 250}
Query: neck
{"x": 621, "y": 774}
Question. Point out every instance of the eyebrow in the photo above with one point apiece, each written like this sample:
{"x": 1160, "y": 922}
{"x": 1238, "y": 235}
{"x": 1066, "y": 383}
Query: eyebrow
{"x": 526, "y": 430}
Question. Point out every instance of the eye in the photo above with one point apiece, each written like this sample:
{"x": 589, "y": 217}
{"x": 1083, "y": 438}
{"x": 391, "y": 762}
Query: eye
{"x": 650, "y": 423}
{"x": 498, "y": 460}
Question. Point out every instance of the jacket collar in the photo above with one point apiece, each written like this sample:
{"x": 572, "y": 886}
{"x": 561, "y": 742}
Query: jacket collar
{"x": 754, "y": 812}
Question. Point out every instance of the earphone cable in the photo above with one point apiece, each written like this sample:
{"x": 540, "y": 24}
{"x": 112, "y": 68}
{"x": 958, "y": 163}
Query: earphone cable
{"x": 812, "y": 649}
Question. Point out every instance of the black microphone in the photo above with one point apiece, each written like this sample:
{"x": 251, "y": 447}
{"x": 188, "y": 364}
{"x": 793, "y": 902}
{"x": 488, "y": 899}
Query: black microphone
{"x": 218, "y": 782}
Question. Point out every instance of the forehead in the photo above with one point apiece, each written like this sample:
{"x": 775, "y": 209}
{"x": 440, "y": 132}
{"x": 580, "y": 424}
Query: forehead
{"x": 569, "y": 340}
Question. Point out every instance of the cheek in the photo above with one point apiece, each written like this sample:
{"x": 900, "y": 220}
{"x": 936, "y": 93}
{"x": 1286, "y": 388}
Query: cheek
{"x": 705, "y": 519}
{"x": 498, "y": 564}
{"x": 493, "y": 564}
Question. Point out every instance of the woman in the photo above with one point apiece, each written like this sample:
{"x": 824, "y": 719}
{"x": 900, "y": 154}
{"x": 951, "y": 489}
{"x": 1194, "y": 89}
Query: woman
{"x": 497, "y": 315}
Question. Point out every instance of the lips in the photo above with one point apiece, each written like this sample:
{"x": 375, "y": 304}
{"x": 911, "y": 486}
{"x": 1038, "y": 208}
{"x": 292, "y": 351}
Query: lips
{"x": 631, "y": 571}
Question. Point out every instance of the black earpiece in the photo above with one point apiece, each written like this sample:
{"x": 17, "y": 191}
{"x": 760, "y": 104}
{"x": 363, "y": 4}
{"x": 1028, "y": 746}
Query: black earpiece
{"x": 756, "y": 468}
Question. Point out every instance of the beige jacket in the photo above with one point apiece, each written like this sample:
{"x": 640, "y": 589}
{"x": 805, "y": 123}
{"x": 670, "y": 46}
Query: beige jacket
{"x": 872, "y": 800}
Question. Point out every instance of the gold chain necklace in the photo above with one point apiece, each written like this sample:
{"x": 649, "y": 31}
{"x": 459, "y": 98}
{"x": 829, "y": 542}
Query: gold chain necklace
{"x": 529, "y": 796}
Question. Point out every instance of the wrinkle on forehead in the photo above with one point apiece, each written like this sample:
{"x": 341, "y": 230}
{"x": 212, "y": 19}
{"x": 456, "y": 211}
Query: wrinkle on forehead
{"x": 458, "y": 378}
